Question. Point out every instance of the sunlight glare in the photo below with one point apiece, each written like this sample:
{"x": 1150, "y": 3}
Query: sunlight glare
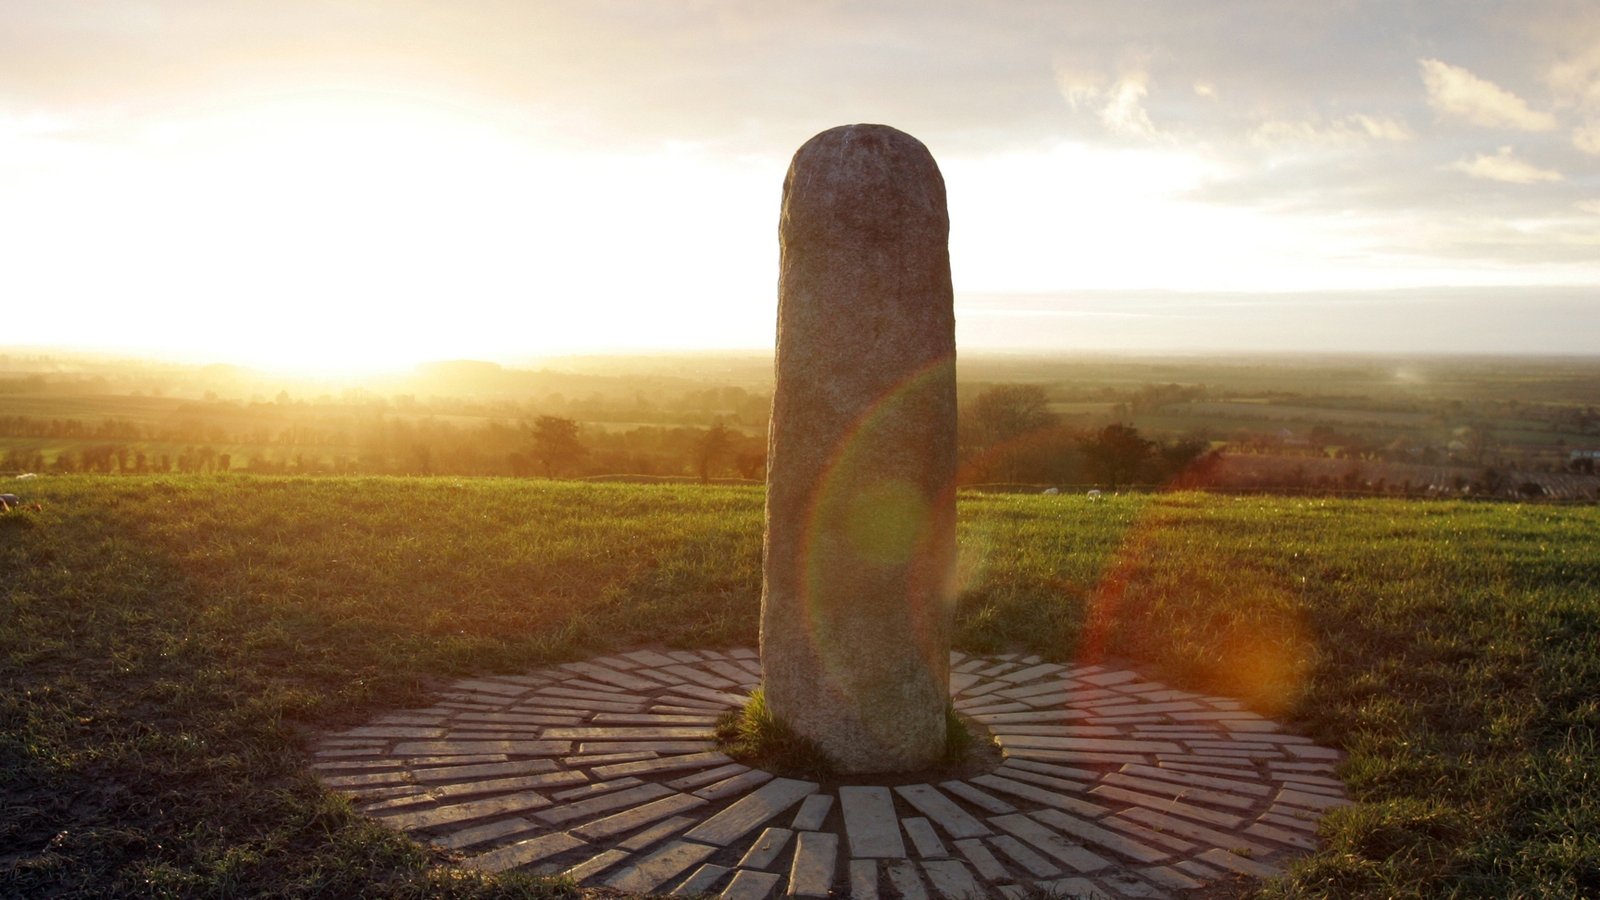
{"x": 349, "y": 234}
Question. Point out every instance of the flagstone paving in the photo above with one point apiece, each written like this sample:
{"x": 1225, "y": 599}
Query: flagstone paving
{"x": 607, "y": 771}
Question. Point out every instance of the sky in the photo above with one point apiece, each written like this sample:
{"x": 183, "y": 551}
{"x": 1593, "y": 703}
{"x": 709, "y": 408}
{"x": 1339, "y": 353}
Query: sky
{"x": 352, "y": 184}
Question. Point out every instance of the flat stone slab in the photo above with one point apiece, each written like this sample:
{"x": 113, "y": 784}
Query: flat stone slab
{"x": 1112, "y": 785}
{"x": 870, "y": 822}
{"x": 816, "y": 860}
{"x": 648, "y": 874}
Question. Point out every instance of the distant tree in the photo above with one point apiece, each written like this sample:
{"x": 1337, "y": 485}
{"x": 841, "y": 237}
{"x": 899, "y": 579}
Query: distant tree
{"x": 1481, "y": 442}
{"x": 1006, "y": 433}
{"x": 710, "y": 449}
{"x": 1117, "y": 454}
{"x": 556, "y": 445}
{"x": 1490, "y": 482}
{"x": 1006, "y": 412}
{"x": 422, "y": 458}
{"x": 521, "y": 465}
{"x": 1178, "y": 455}
{"x": 752, "y": 462}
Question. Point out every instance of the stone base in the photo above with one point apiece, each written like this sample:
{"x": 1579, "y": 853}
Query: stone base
{"x": 1111, "y": 785}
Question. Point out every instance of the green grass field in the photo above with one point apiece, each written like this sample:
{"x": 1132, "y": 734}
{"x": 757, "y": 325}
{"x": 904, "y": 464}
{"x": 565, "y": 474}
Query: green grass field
{"x": 168, "y": 645}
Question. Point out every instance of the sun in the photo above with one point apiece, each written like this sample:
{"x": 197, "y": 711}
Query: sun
{"x": 352, "y": 231}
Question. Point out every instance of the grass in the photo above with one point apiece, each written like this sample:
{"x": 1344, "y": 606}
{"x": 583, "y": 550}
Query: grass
{"x": 753, "y": 735}
{"x": 167, "y": 645}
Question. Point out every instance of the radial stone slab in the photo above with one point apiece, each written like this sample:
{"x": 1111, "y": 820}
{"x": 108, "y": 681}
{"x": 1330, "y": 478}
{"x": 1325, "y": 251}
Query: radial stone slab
{"x": 1111, "y": 785}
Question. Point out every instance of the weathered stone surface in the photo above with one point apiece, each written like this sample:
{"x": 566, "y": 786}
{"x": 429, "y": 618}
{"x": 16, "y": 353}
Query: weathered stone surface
{"x": 1019, "y": 853}
{"x": 594, "y": 865}
{"x": 652, "y": 871}
{"x": 816, "y": 856}
{"x": 1100, "y": 837}
{"x": 732, "y": 787}
{"x": 978, "y": 798}
{"x": 951, "y": 879}
{"x": 864, "y": 879}
{"x": 1051, "y": 843}
{"x": 903, "y": 875}
{"x": 860, "y": 540}
{"x": 1223, "y": 859}
{"x": 981, "y": 859}
{"x": 752, "y": 810}
{"x": 870, "y": 822}
{"x": 923, "y": 837}
{"x": 523, "y": 853}
{"x": 939, "y": 808}
{"x": 766, "y": 848}
{"x": 644, "y": 793}
{"x": 1146, "y": 822}
{"x": 466, "y": 812}
{"x": 750, "y": 885}
{"x": 479, "y": 834}
{"x": 637, "y": 816}
{"x": 656, "y": 833}
{"x": 813, "y": 811}
{"x": 701, "y": 881}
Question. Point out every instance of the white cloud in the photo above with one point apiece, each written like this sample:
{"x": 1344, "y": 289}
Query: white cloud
{"x": 1589, "y": 206}
{"x": 1348, "y": 130}
{"x": 1081, "y": 89}
{"x": 1505, "y": 166}
{"x": 1454, "y": 91}
{"x": 1587, "y": 138}
{"x": 1205, "y": 89}
{"x": 1119, "y": 105}
{"x": 1576, "y": 81}
{"x": 1124, "y": 112}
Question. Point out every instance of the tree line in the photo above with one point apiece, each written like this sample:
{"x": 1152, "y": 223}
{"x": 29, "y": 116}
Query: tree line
{"x": 1007, "y": 433}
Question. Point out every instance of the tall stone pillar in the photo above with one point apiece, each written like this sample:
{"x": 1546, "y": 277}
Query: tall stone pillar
{"x": 860, "y": 539}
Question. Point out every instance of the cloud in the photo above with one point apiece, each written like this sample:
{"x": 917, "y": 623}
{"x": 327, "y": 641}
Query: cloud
{"x": 1454, "y": 91}
{"x": 1587, "y": 138}
{"x": 1124, "y": 112}
{"x": 1354, "y": 129}
{"x": 1575, "y": 81}
{"x": 1589, "y": 206}
{"x": 1080, "y": 89}
{"x": 1505, "y": 166}
{"x": 1119, "y": 105}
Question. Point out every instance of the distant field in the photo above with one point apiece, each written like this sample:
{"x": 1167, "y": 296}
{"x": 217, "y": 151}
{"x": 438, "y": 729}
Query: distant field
{"x": 652, "y": 416}
{"x": 167, "y": 644}
{"x": 91, "y": 407}
{"x": 1305, "y": 413}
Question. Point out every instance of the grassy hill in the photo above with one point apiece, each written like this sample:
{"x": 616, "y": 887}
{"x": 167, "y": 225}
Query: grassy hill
{"x": 167, "y": 644}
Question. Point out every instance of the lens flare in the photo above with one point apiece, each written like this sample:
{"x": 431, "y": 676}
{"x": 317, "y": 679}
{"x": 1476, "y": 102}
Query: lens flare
{"x": 893, "y": 532}
{"x": 1170, "y": 595}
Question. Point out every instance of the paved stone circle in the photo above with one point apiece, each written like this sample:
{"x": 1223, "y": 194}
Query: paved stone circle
{"x": 1111, "y": 785}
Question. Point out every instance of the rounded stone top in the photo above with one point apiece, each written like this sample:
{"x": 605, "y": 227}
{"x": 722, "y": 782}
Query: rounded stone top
{"x": 858, "y": 181}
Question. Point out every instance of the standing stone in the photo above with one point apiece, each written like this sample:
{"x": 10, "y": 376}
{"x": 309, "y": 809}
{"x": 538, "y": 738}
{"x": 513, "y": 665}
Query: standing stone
{"x": 860, "y": 540}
